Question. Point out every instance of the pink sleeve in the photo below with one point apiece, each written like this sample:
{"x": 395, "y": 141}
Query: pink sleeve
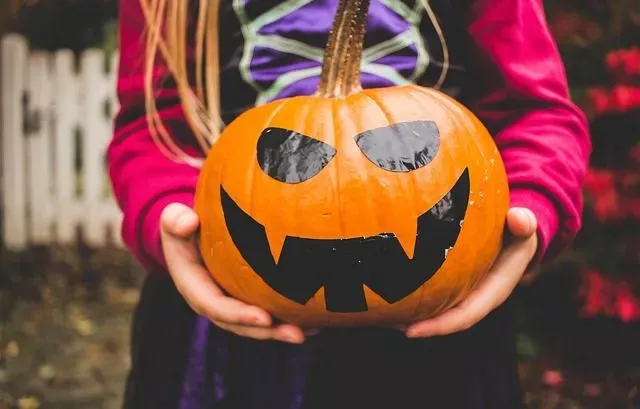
{"x": 525, "y": 103}
{"x": 144, "y": 180}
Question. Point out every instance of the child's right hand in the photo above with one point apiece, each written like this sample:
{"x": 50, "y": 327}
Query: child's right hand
{"x": 178, "y": 226}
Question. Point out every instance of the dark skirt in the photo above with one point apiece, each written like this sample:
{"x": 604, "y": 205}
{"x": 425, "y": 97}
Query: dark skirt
{"x": 337, "y": 369}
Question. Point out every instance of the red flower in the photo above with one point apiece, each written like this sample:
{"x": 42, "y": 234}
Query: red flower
{"x": 622, "y": 98}
{"x": 601, "y": 186}
{"x": 597, "y": 293}
{"x": 613, "y": 194}
{"x": 599, "y": 181}
{"x": 607, "y": 207}
{"x": 602, "y": 297}
{"x": 553, "y": 378}
{"x": 613, "y": 60}
{"x": 627, "y": 306}
{"x": 598, "y": 99}
{"x": 624, "y": 64}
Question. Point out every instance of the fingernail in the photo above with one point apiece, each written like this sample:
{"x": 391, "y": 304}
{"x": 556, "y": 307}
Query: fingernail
{"x": 258, "y": 321}
{"x": 288, "y": 338}
{"x": 182, "y": 220}
{"x": 525, "y": 214}
{"x": 416, "y": 334}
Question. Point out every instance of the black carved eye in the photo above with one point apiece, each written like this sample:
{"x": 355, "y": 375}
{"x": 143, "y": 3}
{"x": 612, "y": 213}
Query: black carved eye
{"x": 290, "y": 156}
{"x": 401, "y": 147}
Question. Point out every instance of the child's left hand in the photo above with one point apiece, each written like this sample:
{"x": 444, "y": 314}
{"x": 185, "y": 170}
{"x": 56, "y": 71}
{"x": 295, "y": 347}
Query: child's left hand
{"x": 511, "y": 264}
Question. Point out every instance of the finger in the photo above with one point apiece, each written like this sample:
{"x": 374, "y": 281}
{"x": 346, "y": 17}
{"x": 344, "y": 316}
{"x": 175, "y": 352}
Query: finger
{"x": 451, "y": 321}
{"x": 205, "y": 297}
{"x": 521, "y": 222}
{"x": 229, "y": 310}
{"x": 195, "y": 284}
{"x": 290, "y": 333}
{"x": 491, "y": 293}
{"x": 284, "y": 333}
{"x": 179, "y": 220}
{"x": 247, "y": 331}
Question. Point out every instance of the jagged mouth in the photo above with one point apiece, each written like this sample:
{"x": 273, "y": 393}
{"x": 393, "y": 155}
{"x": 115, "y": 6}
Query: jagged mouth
{"x": 344, "y": 266}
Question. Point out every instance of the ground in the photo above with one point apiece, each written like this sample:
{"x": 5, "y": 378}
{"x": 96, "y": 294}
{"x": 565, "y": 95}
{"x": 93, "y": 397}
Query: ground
{"x": 65, "y": 329}
{"x": 64, "y": 339}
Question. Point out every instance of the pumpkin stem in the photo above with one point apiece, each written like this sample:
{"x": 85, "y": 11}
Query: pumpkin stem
{"x": 343, "y": 54}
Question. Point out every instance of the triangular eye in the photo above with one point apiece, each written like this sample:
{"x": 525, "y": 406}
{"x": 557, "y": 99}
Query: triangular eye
{"x": 291, "y": 157}
{"x": 401, "y": 147}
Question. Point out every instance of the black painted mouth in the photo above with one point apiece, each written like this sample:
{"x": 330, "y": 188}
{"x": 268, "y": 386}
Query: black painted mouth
{"x": 344, "y": 266}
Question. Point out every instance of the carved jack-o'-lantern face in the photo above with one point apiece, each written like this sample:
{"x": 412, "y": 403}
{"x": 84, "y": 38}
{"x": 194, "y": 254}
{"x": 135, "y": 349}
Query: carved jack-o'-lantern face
{"x": 351, "y": 206}
{"x": 387, "y": 205}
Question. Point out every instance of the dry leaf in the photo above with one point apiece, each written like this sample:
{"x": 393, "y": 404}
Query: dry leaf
{"x": 28, "y": 402}
{"x": 12, "y": 350}
{"x": 79, "y": 321}
{"x": 129, "y": 297}
{"x": 84, "y": 326}
{"x": 46, "y": 373}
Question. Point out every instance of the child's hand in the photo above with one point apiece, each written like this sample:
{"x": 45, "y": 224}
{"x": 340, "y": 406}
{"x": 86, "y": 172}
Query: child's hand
{"x": 496, "y": 287}
{"x": 178, "y": 226}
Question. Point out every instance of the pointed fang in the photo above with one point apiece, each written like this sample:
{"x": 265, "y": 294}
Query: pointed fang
{"x": 407, "y": 239}
{"x": 276, "y": 242}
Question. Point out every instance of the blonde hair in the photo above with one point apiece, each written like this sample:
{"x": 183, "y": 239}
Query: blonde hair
{"x": 167, "y": 28}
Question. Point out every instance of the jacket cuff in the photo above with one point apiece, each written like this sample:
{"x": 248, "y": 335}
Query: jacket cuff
{"x": 547, "y": 217}
{"x": 149, "y": 233}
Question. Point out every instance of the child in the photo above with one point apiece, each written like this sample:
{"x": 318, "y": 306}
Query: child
{"x": 500, "y": 61}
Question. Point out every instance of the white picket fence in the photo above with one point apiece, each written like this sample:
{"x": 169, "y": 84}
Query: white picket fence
{"x": 56, "y": 118}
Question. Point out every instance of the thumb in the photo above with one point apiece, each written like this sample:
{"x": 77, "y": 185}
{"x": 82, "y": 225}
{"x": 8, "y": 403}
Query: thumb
{"x": 179, "y": 220}
{"x": 522, "y": 223}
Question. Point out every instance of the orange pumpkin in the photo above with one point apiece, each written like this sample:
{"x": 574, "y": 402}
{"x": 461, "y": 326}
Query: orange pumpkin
{"x": 350, "y": 206}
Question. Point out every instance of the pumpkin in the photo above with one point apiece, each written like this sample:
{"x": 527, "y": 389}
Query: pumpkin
{"x": 352, "y": 206}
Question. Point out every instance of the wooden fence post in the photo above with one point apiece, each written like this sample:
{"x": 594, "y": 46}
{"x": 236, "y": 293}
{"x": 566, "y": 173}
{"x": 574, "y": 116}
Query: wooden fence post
{"x": 14, "y": 66}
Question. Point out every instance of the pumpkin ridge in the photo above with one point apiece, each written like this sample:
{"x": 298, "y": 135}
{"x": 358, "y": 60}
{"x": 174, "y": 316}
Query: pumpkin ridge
{"x": 412, "y": 94}
{"x": 335, "y": 109}
{"x": 226, "y": 254}
{"x": 447, "y": 105}
{"x": 380, "y": 226}
{"x": 302, "y": 114}
{"x": 256, "y": 169}
{"x": 389, "y": 117}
